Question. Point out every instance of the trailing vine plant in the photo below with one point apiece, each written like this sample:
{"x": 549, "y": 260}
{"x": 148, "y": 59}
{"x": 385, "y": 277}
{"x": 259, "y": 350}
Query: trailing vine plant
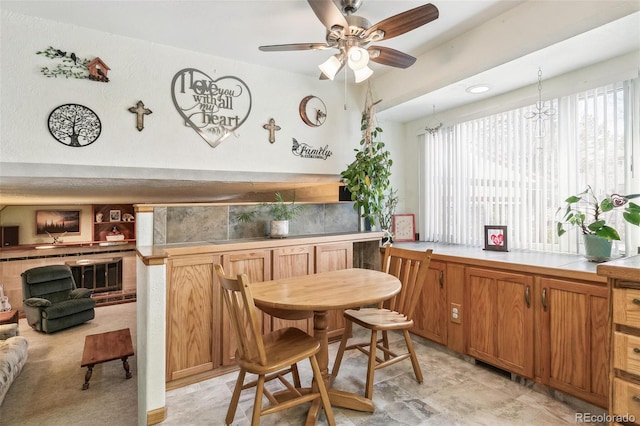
{"x": 367, "y": 177}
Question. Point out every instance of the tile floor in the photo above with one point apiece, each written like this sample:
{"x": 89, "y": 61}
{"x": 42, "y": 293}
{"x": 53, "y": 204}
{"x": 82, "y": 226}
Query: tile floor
{"x": 454, "y": 392}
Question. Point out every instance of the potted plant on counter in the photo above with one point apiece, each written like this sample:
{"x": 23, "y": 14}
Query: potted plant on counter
{"x": 281, "y": 213}
{"x": 590, "y": 214}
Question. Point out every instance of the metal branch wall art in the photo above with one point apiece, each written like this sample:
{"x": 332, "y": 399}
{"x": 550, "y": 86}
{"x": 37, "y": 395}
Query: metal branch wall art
{"x": 70, "y": 65}
{"x": 74, "y": 125}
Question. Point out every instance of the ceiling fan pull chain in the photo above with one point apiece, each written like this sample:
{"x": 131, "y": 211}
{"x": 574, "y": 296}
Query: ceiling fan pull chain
{"x": 345, "y": 91}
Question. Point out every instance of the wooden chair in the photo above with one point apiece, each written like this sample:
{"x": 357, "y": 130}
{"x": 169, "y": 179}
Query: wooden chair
{"x": 410, "y": 267}
{"x": 271, "y": 356}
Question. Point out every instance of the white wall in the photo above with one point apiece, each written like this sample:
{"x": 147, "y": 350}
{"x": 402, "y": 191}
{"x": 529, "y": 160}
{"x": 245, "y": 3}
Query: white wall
{"x": 143, "y": 71}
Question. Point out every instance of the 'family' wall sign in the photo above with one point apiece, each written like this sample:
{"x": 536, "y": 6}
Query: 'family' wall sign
{"x": 213, "y": 108}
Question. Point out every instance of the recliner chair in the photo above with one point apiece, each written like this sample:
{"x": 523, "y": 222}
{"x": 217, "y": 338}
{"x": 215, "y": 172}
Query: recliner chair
{"x": 51, "y": 300}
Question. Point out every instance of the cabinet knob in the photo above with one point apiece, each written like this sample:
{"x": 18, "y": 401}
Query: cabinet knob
{"x": 636, "y": 350}
{"x": 636, "y": 301}
{"x": 441, "y": 279}
{"x": 636, "y": 398}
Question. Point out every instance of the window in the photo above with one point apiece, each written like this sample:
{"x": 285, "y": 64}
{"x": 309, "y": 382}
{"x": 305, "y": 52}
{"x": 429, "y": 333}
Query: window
{"x": 495, "y": 171}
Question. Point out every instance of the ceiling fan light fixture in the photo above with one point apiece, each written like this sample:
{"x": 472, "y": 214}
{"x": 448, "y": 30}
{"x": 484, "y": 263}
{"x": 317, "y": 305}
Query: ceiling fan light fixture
{"x": 362, "y": 74}
{"x": 331, "y": 66}
{"x": 358, "y": 58}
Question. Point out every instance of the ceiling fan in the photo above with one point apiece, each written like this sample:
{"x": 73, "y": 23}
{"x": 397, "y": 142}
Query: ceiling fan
{"x": 351, "y": 34}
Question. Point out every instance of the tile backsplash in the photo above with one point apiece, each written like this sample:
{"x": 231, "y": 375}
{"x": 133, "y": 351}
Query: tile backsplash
{"x": 177, "y": 224}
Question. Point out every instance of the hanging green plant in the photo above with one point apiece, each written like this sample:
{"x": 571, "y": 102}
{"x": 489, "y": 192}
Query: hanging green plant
{"x": 367, "y": 177}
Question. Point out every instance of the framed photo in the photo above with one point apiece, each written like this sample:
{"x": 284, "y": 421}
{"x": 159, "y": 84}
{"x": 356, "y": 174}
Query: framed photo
{"x": 495, "y": 238}
{"x": 57, "y": 222}
{"x": 404, "y": 228}
{"x": 114, "y": 216}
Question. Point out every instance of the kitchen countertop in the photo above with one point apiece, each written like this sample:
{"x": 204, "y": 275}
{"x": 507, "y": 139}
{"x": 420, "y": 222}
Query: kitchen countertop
{"x": 63, "y": 250}
{"x": 540, "y": 263}
{"x": 156, "y": 254}
{"x": 627, "y": 268}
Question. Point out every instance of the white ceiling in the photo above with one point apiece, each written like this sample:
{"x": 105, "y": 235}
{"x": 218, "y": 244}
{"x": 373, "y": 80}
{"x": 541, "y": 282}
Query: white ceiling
{"x": 235, "y": 28}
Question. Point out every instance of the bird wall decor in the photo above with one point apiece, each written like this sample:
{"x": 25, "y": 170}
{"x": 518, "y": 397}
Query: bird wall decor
{"x": 70, "y": 65}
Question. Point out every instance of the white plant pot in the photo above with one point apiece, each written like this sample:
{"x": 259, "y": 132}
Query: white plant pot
{"x": 279, "y": 228}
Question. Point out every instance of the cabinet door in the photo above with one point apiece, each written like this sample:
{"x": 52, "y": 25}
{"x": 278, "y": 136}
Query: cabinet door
{"x": 332, "y": 257}
{"x": 193, "y": 341}
{"x": 500, "y": 319}
{"x": 430, "y": 316}
{"x": 575, "y": 338}
{"x": 257, "y": 265}
{"x": 292, "y": 262}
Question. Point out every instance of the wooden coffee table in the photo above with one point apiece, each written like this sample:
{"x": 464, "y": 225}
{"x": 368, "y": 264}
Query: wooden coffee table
{"x": 103, "y": 347}
{"x": 9, "y": 317}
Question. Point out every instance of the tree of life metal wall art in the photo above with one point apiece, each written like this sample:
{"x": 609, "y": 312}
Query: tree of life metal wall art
{"x": 74, "y": 125}
{"x": 213, "y": 108}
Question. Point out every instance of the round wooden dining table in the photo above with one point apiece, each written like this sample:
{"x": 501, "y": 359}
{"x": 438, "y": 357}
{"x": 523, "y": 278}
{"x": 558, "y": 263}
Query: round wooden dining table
{"x": 320, "y": 293}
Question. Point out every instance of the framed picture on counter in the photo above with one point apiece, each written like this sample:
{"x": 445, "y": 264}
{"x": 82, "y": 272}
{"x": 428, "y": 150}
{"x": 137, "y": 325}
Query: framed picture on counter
{"x": 495, "y": 238}
{"x": 404, "y": 228}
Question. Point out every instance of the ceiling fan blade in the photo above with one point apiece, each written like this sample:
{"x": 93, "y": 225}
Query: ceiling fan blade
{"x": 294, "y": 46}
{"x": 392, "y": 57}
{"x": 405, "y": 21}
{"x": 328, "y": 13}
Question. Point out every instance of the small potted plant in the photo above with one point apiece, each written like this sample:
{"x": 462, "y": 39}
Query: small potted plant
{"x": 590, "y": 215}
{"x": 281, "y": 213}
{"x": 386, "y": 215}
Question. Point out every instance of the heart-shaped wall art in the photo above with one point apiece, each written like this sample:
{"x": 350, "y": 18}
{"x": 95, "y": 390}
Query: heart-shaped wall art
{"x": 213, "y": 108}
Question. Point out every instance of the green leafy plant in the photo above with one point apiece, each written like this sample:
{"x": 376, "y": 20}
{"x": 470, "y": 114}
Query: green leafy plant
{"x": 388, "y": 209}
{"x": 279, "y": 210}
{"x": 589, "y": 214}
{"x": 367, "y": 177}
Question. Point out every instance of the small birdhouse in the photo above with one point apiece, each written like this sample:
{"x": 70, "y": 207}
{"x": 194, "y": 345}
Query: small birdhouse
{"x": 98, "y": 70}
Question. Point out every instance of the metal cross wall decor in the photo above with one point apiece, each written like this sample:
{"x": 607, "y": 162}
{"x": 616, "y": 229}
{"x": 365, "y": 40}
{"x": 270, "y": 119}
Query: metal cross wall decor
{"x": 272, "y": 128}
{"x": 140, "y": 111}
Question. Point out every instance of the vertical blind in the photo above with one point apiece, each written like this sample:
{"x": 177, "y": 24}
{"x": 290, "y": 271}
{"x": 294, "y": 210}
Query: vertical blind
{"x": 496, "y": 170}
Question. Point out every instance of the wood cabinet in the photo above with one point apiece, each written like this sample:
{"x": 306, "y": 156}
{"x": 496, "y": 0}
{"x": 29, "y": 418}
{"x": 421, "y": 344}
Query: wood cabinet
{"x": 431, "y": 314}
{"x": 199, "y": 335}
{"x": 194, "y": 338}
{"x": 624, "y": 368}
{"x": 574, "y": 338}
{"x": 499, "y": 319}
{"x": 257, "y": 265}
{"x": 331, "y": 257}
{"x": 292, "y": 262}
{"x": 112, "y": 220}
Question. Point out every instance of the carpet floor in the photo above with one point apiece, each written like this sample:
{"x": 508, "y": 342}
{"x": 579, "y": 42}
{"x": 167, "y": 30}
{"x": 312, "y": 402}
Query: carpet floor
{"x": 49, "y": 392}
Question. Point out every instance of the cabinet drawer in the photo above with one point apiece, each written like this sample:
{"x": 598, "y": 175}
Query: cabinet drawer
{"x": 626, "y": 353}
{"x": 626, "y": 306}
{"x": 626, "y": 398}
